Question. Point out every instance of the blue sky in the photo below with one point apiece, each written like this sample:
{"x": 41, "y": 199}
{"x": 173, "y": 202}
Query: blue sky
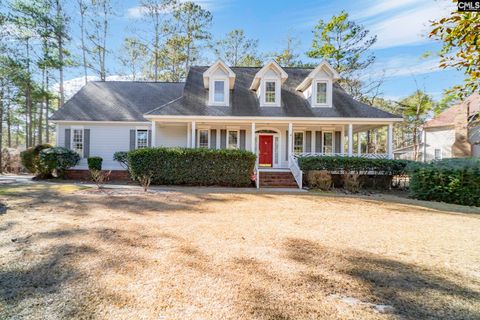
{"x": 401, "y": 27}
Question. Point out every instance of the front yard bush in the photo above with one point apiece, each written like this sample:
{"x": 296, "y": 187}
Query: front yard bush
{"x": 192, "y": 166}
{"x": 30, "y": 159}
{"x": 58, "y": 159}
{"x": 353, "y": 165}
{"x": 451, "y": 180}
{"x": 95, "y": 163}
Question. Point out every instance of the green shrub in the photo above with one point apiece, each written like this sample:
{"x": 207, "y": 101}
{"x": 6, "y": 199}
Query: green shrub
{"x": 122, "y": 157}
{"x": 353, "y": 165}
{"x": 95, "y": 163}
{"x": 30, "y": 159}
{"x": 57, "y": 159}
{"x": 192, "y": 166}
{"x": 451, "y": 180}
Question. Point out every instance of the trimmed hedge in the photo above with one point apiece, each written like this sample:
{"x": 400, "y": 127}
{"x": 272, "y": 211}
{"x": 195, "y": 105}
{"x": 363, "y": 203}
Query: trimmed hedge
{"x": 95, "y": 163}
{"x": 193, "y": 166}
{"x": 58, "y": 159}
{"x": 353, "y": 165}
{"x": 450, "y": 180}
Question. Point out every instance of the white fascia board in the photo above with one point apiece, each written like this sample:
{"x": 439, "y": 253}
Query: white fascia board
{"x": 276, "y": 119}
{"x": 261, "y": 72}
{"x": 311, "y": 76}
{"x": 218, "y": 64}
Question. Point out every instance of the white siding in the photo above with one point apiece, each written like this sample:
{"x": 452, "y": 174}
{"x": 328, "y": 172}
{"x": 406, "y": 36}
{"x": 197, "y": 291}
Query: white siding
{"x": 439, "y": 138}
{"x": 171, "y": 136}
{"x": 105, "y": 140}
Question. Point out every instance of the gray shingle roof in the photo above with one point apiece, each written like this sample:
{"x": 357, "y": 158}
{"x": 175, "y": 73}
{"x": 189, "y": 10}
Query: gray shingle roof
{"x": 117, "y": 100}
{"x": 244, "y": 102}
{"x": 129, "y": 101}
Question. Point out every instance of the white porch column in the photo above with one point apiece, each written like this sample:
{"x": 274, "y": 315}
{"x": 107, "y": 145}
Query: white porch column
{"x": 359, "y": 144}
{"x": 193, "y": 134}
{"x": 189, "y": 138}
{"x": 350, "y": 139}
{"x": 154, "y": 134}
{"x": 253, "y": 146}
{"x": 390, "y": 141}
{"x": 290, "y": 141}
{"x": 342, "y": 141}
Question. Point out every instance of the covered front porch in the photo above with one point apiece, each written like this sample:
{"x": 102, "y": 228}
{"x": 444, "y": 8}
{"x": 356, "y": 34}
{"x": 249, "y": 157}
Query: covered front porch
{"x": 276, "y": 143}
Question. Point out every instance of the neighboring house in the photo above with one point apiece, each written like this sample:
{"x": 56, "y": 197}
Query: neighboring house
{"x": 454, "y": 133}
{"x": 451, "y": 133}
{"x": 275, "y": 112}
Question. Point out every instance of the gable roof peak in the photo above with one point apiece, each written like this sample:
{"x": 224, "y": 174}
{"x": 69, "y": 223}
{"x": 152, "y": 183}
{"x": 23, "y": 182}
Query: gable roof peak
{"x": 324, "y": 65}
{"x": 223, "y": 66}
{"x": 272, "y": 64}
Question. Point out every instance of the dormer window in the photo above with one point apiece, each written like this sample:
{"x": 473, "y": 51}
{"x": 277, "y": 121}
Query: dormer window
{"x": 267, "y": 84}
{"x": 270, "y": 91}
{"x": 321, "y": 92}
{"x": 219, "y": 91}
{"x": 317, "y": 87}
{"x": 218, "y": 80}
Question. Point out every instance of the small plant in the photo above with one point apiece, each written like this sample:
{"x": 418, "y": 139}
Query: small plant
{"x": 99, "y": 177}
{"x": 58, "y": 159}
{"x": 321, "y": 179}
{"x": 95, "y": 163}
{"x": 351, "y": 182}
{"x": 145, "y": 180}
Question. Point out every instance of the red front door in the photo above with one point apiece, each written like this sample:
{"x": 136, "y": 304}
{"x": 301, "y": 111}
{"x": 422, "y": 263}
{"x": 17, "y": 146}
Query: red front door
{"x": 265, "y": 150}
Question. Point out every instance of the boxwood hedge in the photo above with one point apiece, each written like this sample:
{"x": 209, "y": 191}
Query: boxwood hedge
{"x": 353, "y": 165}
{"x": 450, "y": 180}
{"x": 193, "y": 166}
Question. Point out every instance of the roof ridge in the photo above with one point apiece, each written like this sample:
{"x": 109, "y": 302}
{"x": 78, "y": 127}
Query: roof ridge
{"x": 138, "y": 81}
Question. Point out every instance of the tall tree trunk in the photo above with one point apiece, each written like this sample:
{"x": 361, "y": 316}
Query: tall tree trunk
{"x": 60, "y": 52}
{"x": 156, "y": 46}
{"x": 9, "y": 125}
{"x": 28, "y": 101}
{"x": 1, "y": 126}
{"x": 83, "y": 9}
{"x": 47, "y": 107}
{"x": 103, "y": 73}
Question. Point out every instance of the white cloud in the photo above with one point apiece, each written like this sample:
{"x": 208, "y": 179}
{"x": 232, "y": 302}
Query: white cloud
{"x": 405, "y": 65}
{"x": 138, "y": 12}
{"x": 382, "y": 6}
{"x": 408, "y": 27}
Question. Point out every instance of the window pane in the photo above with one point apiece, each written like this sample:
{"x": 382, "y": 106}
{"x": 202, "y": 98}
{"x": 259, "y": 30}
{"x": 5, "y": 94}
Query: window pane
{"x": 232, "y": 139}
{"x": 77, "y": 143}
{"x": 298, "y": 142}
{"x": 270, "y": 92}
{"x": 203, "y": 139}
{"x": 328, "y": 142}
{"x": 219, "y": 91}
{"x": 321, "y": 92}
{"x": 142, "y": 139}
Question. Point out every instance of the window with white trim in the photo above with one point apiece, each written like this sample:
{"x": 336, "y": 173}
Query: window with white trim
{"x": 219, "y": 91}
{"x": 232, "y": 139}
{"x": 297, "y": 142}
{"x": 77, "y": 141}
{"x": 328, "y": 142}
{"x": 142, "y": 139}
{"x": 321, "y": 93}
{"x": 270, "y": 91}
{"x": 438, "y": 154}
{"x": 203, "y": 138}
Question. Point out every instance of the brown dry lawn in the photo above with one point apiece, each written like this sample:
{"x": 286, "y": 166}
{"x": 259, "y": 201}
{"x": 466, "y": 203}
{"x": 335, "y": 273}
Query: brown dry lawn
{"x": 201, "y": 253}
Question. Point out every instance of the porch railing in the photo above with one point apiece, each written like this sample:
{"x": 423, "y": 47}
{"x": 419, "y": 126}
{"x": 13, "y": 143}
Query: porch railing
{"x": 362, "y": 155}
{"x": 295, "y": 169}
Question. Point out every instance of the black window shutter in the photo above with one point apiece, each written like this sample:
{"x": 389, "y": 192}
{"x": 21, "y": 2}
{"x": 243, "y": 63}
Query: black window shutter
{"x": 308, "y": 141}
{"x": 318, "y": 141}
{"x": 213, "y": 139}
{"x": 67, "y": 138}
{"x": 286, "y": 146}
{"x": 223, "y": 139}
{"x": 132, "y": 139}
{"x": 242, "y": 139}
{"x": 86, "y": 142}
{"x": 149, "y": 138}
{"x": 338, "y": 141}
